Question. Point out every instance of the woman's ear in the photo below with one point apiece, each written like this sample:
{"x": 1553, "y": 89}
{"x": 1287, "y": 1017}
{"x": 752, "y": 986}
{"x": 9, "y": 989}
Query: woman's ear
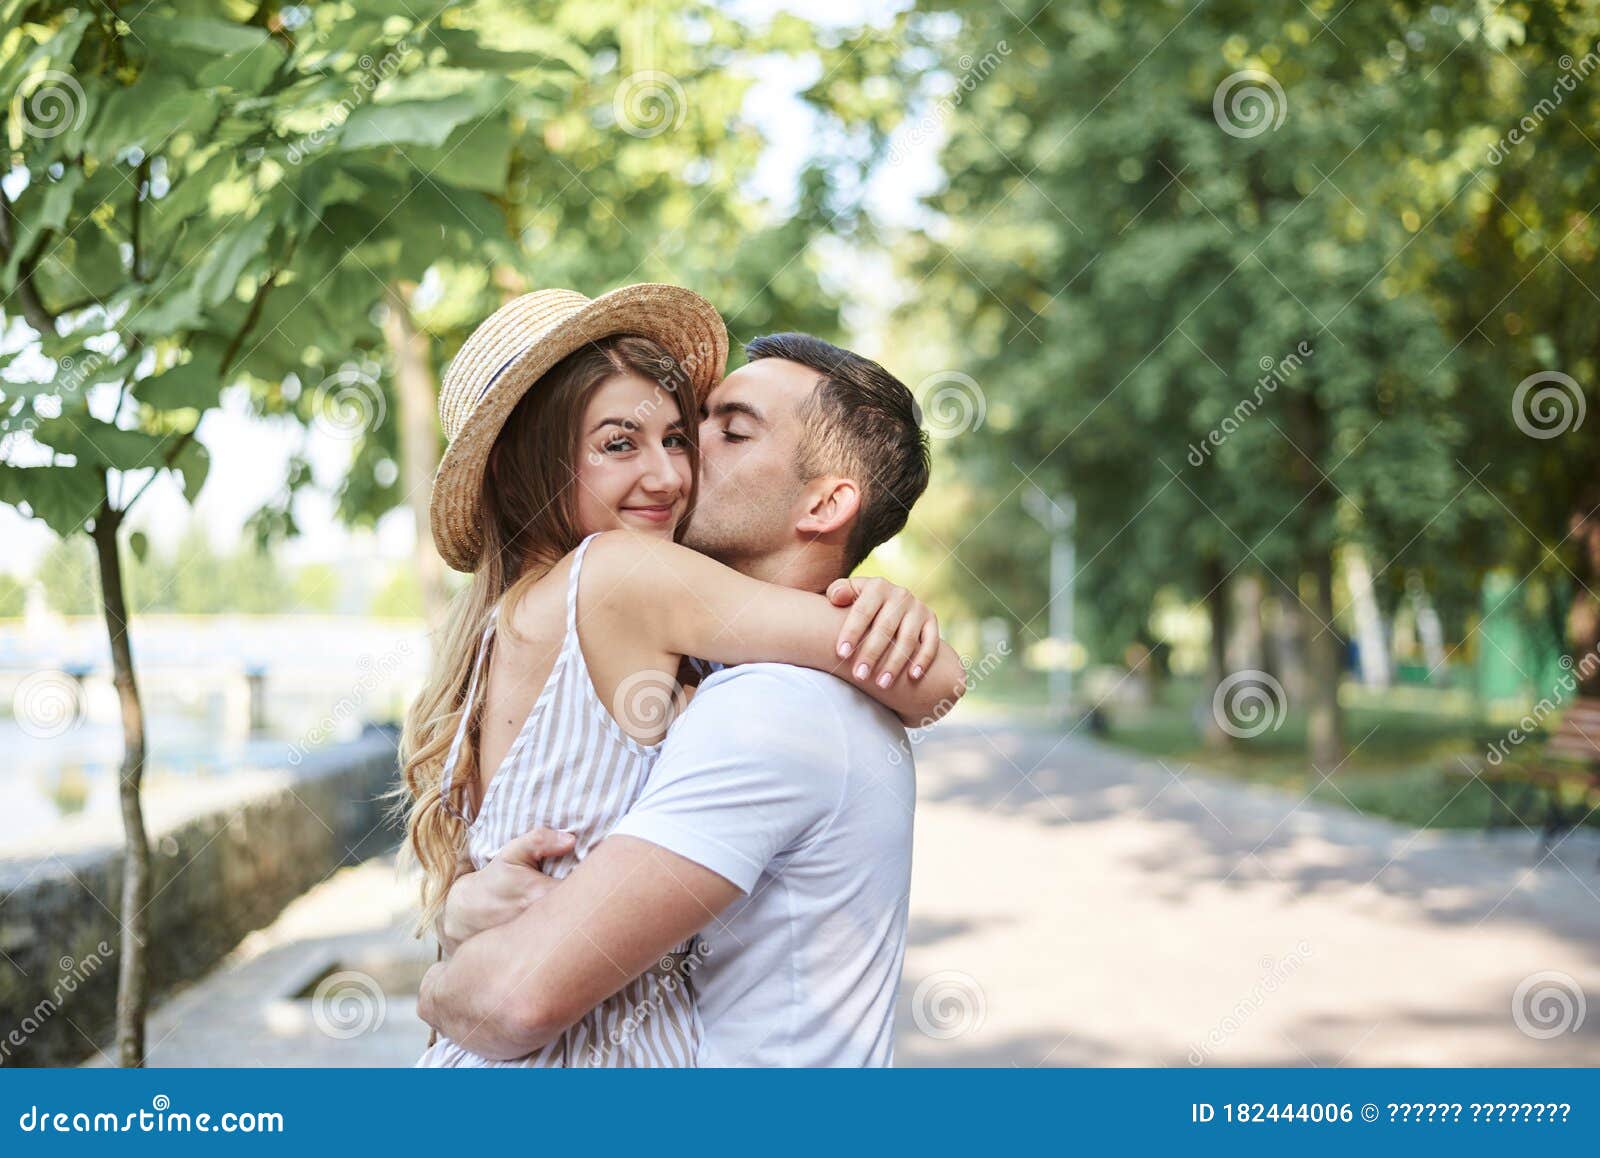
{"x": 834, "y": 503}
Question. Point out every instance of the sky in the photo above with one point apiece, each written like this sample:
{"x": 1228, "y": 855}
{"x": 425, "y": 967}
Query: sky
{"x": 249, "y": 454}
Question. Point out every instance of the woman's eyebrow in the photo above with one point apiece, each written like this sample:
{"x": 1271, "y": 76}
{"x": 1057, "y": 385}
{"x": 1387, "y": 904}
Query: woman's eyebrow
{"x": 625, "y": 423}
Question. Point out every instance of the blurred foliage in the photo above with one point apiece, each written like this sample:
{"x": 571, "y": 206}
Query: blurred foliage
{"x": 206, "y": 193}
{"x": 13, "y": 597}
{"x": 1118, "y": 269}
{"x": 191, "y": 579}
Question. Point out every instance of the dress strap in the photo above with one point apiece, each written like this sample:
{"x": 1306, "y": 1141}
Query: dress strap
{"x": 466, "y": 716}
{"x": 572, "y": 586}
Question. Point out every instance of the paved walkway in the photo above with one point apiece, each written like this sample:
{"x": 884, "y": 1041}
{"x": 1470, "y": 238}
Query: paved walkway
{"x": 1074, "y": 905}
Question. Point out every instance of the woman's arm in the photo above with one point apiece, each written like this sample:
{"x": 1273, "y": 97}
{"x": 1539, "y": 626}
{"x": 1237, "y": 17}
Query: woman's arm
{"x": 689, "y": 604}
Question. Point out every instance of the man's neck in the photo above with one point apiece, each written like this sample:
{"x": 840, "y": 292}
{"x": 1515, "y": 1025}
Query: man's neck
{"x": 802, "y": 566}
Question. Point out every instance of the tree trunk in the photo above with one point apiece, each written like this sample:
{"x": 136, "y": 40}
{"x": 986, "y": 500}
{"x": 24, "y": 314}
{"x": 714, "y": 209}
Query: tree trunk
{"x": 1217, "y": 655}
{"x": 1430, "y": 629}
{"x": 1372, "y": 638}
{"x": 417, "y": 397}
{"x": 1324, "y": 719}
{"x": 1247, "y": 644}
{"x": 1583, "y": 618}
{"x": 1288, "y": 640}
{"x": 133, "y": 982}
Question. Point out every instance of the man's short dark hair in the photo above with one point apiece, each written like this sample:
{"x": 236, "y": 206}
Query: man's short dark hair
{"x": 861, "y": 423}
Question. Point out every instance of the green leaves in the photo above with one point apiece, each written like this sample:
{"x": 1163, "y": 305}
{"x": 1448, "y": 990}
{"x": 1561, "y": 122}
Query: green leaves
{"x": 424, "y": 110}
{"x": 193, "y": 462}
{"x": 148, "y": 113}
{"x": 195, "y": 384}
{"x": 474, "y": 156}
{"x": 239, "y": 246}
{"x": 98, "y": 443}
{"x": 162, "y": 30}
{"x": 62, "y": 496}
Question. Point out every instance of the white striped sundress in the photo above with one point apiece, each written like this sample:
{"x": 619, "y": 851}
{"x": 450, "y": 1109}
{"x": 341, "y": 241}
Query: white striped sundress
{"x": 572, "y": 767}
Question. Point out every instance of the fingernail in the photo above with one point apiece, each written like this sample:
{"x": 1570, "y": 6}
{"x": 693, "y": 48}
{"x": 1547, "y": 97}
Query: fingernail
{"x": 916, "y": 671}
{"x": 862, "y": 671}
{"x": 885, "y": 680}
{"x": 844, "y": 650}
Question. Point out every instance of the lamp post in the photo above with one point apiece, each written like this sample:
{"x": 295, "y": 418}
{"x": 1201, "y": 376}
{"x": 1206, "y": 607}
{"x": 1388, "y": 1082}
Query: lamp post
{"x": 1057, "y": 516}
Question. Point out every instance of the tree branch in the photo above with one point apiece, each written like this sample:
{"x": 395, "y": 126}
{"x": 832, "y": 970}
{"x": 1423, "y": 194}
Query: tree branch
{"x": 251, "y": 318}
{"x": 141, "y": 182}
{"x": 33, "y": 308}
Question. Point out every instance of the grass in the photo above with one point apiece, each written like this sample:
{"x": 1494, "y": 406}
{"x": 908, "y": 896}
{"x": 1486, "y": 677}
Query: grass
{"x": 1409, "y": 753}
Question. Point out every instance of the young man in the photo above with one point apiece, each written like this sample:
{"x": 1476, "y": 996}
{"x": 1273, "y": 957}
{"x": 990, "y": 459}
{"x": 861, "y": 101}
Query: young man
{"x": 777, "y": 819}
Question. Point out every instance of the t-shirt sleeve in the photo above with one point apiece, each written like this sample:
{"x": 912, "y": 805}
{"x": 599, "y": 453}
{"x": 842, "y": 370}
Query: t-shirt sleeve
{"x": 750, "y": 772}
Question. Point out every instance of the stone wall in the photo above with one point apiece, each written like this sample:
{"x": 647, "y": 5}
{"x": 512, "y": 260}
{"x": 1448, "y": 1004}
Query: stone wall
{"x": 215, "y": 878}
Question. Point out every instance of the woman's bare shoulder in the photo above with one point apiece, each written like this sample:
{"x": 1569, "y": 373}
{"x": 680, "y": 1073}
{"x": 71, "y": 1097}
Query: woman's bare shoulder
{"x": 533, "y": 613}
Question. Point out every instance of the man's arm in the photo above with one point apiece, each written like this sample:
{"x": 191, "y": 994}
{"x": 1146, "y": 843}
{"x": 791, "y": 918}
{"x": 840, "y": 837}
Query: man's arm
{"x": 510, "y": 990}
{"x": 750, "y": 770}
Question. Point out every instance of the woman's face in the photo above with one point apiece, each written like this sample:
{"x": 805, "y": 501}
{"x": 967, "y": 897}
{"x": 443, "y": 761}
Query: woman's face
{"x": 635, "y": 471}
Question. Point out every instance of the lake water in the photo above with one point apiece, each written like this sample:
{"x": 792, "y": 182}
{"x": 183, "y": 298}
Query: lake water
{"x": 223, "y": 696}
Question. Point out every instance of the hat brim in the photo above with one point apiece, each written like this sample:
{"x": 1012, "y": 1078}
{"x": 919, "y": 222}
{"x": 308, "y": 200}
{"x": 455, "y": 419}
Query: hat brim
{"x": 682, "y": 322}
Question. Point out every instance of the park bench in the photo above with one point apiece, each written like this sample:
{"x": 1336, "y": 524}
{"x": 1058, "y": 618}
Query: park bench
{"x": 1569, "y": 758}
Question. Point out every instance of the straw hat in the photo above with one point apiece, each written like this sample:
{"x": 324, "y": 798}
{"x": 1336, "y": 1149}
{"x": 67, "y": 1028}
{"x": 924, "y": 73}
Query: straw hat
{"x": 515, "y": 346}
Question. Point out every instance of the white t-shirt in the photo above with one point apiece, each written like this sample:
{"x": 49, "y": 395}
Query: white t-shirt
{"x": 799, "y": 790}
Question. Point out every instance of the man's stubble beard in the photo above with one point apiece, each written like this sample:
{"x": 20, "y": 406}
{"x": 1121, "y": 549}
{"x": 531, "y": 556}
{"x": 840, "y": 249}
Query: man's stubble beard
{"x": 733, "y": 530}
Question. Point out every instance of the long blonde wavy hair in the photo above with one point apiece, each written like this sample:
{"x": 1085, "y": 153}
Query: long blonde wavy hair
{"x": 528, "y": 523}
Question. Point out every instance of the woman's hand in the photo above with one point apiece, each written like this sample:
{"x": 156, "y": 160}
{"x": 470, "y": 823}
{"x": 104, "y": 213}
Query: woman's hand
{"x": 500, "y": 890}
{"x": 887, "y": 626}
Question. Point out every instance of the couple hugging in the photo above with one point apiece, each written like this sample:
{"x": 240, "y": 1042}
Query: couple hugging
{"x": 652, "y": 545}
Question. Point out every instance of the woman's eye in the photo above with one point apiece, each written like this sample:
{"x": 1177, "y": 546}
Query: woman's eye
{"x": 618, "y": 445}
{"x": 676, "y": 442}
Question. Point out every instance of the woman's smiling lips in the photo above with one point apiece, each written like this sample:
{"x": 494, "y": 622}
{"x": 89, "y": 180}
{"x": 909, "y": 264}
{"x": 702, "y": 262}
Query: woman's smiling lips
{"x": 656, "y": 514}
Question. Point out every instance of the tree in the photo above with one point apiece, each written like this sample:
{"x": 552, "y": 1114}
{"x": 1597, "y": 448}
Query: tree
{"x": 195, "y": 202}
{"x": 1169, "y": 240}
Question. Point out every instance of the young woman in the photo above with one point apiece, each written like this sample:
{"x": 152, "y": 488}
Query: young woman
{"x": 573, "y": 438}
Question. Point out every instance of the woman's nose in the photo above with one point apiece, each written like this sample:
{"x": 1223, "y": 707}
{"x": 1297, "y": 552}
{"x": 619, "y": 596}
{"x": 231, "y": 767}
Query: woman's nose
{"x": 659, "y": 474}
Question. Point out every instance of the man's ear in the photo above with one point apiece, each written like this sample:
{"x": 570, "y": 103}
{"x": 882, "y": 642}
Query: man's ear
{"x": 833, "y": 503}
